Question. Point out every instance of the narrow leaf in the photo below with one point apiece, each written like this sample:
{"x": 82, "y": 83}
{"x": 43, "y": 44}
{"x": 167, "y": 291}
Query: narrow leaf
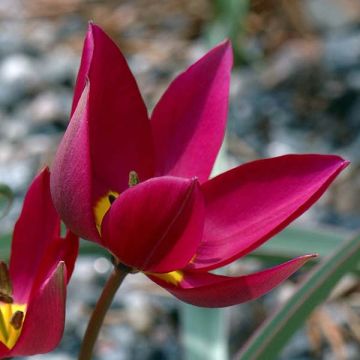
{"x": 271, "y": 337}
{"x": 295, "y": 241}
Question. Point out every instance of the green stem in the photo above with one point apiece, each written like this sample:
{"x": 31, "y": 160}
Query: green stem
{"x": 101, "y": 308}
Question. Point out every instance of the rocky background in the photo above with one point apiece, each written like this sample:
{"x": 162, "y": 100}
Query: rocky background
{"x": 296, "y": 88}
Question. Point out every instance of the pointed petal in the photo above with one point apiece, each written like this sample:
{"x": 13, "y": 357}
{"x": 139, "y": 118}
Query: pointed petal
{"x": 44, "y": 321}
{"x": 36, "y": 229}
{"x": 109, "y": 135}
{"x": 156, "y": 225}
{"x": 84, "y": 69}
{"x": 119, "y": 128}
{"x": 189, "y": 121}
{"x": 71, "y": 175}
{"x": 251, "y": 203}
{"x": 60, "y": 249}
{"x": 210, "y": 290}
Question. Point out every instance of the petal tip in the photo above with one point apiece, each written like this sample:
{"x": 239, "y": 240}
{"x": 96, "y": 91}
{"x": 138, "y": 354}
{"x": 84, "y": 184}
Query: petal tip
{"x": 310, "y": 256}
{"x": 340, "y": 163}
{"x": 224, "y": 49}
{"x": 302, "y": 260}
{"x": 45, "y": 170}
{"x": 345, "y": 163}
{"x": 90, "y": 28}
{"x": 227, "y": 44}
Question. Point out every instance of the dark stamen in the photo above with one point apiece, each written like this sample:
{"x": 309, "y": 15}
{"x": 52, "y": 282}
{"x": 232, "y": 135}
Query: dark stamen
{"x": 5, "y": 283}
{"x": 17, "y": 320}
{"x": 111, "y": 198}
{"x": 5, "y": 298}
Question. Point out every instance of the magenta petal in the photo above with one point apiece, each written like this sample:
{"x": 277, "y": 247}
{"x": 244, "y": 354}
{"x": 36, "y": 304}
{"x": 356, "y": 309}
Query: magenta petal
{"x": 4, "y": 351}
{"x": 109, "y": 135}
{"x": 251, "y": 203}
{"x": 60, "y": 249}
{"x": 119, "y": 128}
{"x": 44, "y": 322}
{"x": 156, "y": 225}
{"x": 189, "y": 120}
{"x": 71, "y": 175}
{"x": 34, "y": 232}
{"x": 210, "y": 290}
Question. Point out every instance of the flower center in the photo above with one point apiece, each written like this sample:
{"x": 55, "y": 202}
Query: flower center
{"x": 11, "y": 322}
{"x": 102, "y": 207}
{"x": 11, "y": 315}
{"x": 104, "y": 203}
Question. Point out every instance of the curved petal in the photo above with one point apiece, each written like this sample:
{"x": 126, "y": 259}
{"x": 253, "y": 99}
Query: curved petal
{"x": 38, "y": 226}
{"x": 156, "y": 225}
{"x": 71, "y": 175}
{"x": 189, "y": 121}
{"x": 210, "y": 290}
{"x": 119, "y": 128}
{"x": 251, "y": 203}
{"x": 44, "y": 321}
{"x": 109, "y": 135}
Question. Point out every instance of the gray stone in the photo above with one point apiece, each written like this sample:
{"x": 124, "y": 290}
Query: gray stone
{"x": 330, "y": 14}
{"x": 20, "y": 72}
{"x": 342, "y": 50}
{"x": 49, "y": 106}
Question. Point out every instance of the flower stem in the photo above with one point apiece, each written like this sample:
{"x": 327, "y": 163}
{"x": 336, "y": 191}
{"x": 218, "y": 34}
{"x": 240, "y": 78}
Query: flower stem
{"x": 101, "y": 308}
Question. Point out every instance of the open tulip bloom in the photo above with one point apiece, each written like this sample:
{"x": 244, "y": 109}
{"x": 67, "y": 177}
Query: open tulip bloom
{"x": 140, "y": 187}
{"x": 33, "y": 289}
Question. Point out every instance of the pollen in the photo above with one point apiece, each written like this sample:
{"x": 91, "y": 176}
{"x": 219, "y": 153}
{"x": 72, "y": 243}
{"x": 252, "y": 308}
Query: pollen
{"x": 133, "y": 178}
{"x": 11, "y": 322}
{"x": 102, "y": 207}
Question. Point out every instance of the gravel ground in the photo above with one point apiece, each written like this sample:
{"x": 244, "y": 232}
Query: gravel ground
{"x": 297, "y": 90}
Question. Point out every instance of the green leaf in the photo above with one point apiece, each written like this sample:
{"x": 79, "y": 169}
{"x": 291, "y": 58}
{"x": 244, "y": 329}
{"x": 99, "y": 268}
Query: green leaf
{"x": 271, "y": 337}
{"x": 6, "y": 199}
{"x": 5, "y": 243}
{"x": 294, "y": 241}
{"x": 86, "y": 247}
{"x": 90, "y": 248}
{"x": 228, "y": 22}
{"x": 204, "y": 333}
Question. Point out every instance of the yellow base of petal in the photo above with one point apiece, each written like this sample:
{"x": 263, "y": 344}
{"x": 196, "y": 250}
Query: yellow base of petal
{"x": 8, "y": 334}
{"x": 102, "y": 207}
{"x": 173, "y": 277}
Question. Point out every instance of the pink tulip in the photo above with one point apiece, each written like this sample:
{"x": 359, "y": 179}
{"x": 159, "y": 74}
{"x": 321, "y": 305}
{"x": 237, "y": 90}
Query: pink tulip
{"x": 33, "y": 290}
{"x": 169, "y": 220}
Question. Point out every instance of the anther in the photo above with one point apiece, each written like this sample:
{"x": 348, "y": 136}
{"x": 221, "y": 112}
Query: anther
{"x": 17, "y": 320}
{"x": 111, "y": 198}
{"x": 5, "y": 284}
{"x": 5, "y": 298}
{"x": 133, "y": 178}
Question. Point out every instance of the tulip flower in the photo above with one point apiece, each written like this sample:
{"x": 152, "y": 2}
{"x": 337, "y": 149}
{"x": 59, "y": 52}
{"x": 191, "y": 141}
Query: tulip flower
{"x": 141, "y": 187}
{"x": 33, "y": 288}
